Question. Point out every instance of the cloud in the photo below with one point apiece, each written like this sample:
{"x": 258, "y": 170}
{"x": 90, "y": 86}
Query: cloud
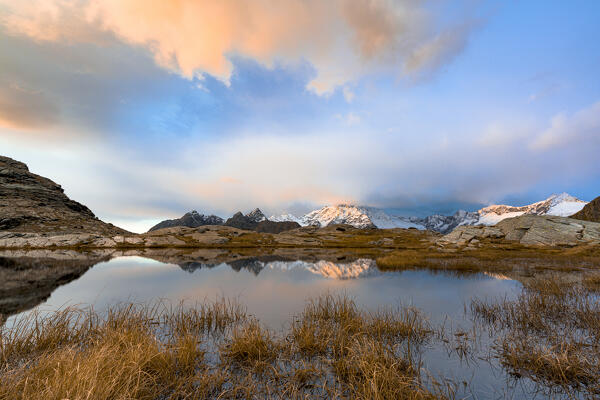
{"x": 342, "y": 39}
{"x": 277, "y": 171}
{"x": 349, "y": 119}
{"x": 23, "y": 108}
{"x": 580, "y": 129}
{"x": 432, "y": 54}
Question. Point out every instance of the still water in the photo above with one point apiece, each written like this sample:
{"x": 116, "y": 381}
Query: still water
{"x": 274, "y": 291}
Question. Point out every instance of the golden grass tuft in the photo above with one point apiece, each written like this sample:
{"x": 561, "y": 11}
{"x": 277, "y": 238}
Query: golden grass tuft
{"x": 250, "y": 345}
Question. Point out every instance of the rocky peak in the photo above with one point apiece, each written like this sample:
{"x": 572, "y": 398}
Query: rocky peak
{"x": 241, "y": 221}
{"x": 590, "y": 212}
{"x": 256, "y": 215}
{"x": 32, "y": 203}
{"x": 192, "y": 219}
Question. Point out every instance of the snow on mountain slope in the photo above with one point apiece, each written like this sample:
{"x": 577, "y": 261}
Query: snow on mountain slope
{"x": 565, "y": 205}
{"x": 383, "y": 220}
{"x": 286, "y": 217}
{"x": 340, "y": 214}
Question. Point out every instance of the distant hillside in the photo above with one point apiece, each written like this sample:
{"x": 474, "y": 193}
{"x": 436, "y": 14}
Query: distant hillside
{"x": 591, "y": 212}
{"x": 32, "y": 203}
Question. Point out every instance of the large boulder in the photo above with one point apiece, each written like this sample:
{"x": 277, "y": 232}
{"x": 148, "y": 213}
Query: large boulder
{"x": 549, "y": 230}
{"x": 539, "y": 230}
{"x": 32, "y": 203}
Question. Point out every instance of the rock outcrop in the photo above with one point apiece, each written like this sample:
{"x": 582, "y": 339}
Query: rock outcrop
{"x": 192, "y": 219}
{"x": 31, "y": 203}
{"x": 591, "y": 211}
{"x": 534, "y": 230}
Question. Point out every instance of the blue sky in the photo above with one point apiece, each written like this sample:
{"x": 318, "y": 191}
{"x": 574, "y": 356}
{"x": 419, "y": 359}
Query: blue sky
{"x": 143, "y": 112}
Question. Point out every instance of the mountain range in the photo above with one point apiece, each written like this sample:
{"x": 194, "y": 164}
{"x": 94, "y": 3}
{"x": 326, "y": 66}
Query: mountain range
{"x": 364, "y": 217}
{"x": 563, "y": 205}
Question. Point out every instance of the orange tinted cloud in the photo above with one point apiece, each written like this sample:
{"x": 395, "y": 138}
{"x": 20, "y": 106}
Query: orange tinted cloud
{"x": 343, "y": 39}
{"x": 21, "y": 108}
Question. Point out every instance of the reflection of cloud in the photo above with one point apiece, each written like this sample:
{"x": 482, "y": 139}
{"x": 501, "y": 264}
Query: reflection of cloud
{"x": 341, "y": 38}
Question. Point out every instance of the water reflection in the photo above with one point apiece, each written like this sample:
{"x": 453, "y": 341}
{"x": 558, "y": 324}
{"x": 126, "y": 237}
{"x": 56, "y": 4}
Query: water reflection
{"x": 273, "y": 287}
{"x": 328, "y": 269}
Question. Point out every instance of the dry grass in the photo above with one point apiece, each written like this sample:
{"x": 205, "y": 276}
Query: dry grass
{"x": 592, "y": 282}
{"x": 550, "y": 333}
{"x": 492, "y": 256}
{"x": 127, "y": 353}
{"x": 373, "y": 371}
{"x": 333, "y": 350}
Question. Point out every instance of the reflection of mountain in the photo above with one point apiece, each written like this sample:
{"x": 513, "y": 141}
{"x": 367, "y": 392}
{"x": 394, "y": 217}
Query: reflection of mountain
{"x": 500, "y": 277}
{"x": 28, "y": 278}
{"x": 328, "y": 269}
{"x": 253, "y": 264}
{"x": 25, "y": 282}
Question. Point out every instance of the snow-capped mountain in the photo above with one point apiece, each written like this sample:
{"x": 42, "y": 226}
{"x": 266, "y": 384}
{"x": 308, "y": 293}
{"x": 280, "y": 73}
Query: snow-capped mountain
{"x": 357, "y": 216}
{"x": 562, "y": 205}
{"x": 340, "y": 214}
{"x": 366, "y": 217}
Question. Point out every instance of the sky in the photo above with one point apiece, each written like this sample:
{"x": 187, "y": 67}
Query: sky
{"x": 146, "y": 109}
